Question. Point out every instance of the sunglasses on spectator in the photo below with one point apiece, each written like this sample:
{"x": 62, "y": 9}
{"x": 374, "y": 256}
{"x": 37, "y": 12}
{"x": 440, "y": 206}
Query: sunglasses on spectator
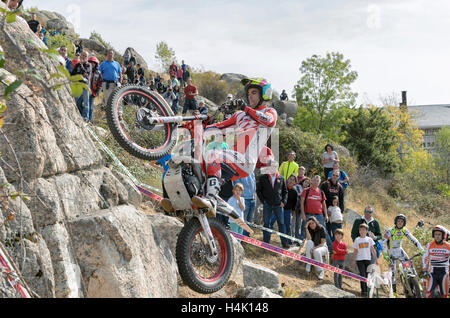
{"x": 368, "y": 211}
{"x": 335, "y": 175}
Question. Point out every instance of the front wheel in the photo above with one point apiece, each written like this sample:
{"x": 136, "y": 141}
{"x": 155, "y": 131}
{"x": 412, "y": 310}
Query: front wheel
{"x": 415, "y": 287}
{"x": 199, "y": 270}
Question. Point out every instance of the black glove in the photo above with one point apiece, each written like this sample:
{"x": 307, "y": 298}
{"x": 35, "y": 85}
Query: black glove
{"x": 238, "y": 104}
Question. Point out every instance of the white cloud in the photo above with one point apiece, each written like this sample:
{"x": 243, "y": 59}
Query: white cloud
{"x": 394, "y": 45}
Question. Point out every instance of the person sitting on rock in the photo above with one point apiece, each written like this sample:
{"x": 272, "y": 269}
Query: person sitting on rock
{"x": 13, "y": 4}
{"x": 283, "y": 95}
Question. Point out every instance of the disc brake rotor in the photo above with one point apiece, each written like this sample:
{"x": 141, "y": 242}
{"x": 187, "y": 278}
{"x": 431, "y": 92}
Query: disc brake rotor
{"x": 142, "y": 115}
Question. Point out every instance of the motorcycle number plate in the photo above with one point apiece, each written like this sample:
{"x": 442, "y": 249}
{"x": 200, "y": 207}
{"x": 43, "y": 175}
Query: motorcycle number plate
{"x": 407, "y": 264}
{"x": 176, "y": 190}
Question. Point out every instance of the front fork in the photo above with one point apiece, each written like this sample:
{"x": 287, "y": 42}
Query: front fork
{"x": 207, "y": 230}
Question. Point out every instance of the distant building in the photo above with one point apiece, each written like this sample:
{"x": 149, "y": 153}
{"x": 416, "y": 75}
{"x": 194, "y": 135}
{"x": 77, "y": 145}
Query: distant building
{"x": 430, "y": 119}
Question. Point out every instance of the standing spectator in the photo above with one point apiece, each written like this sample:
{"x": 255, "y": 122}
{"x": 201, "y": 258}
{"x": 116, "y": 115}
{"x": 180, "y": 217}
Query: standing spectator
{"x": 315, "y": 244}
{"x": 186, "y": 76}
{"x": 68, "y": 62}
{"x": 152, "y": 85}
{"x": 335, "y": 215}
{"x": 173, "y": 81}
{"x": 343, "y": 178}
{"x": 283, "y": 95}
{"x": 299, "y": 230}
{"x": 301, "y": 174}
{"x": 238, "y": 204}
{"x": 339, "y": 253}
{"x": 329, "y": 157}
{"x": 173, "y": 69}
{"x": 111, "y": 75}
{"x": 289, "y": 167}
{"x": 180, "y": 77}
{"x": 249, "y": 184}
{"x": 96, "y": 85}
{"x": 190, "y": 92}
{"x": 141, "y": 75}
{"x": 203, "y": 110}
{"x": 363, "y": 249}
{"x": 79, "y": 46}
{"x": 374, "y": 229}
{"x": 176, "y": 92}
{"x": 131, "y": 73}
{"x": 313, "y": 204}
{"x": 169, "y": 96}
{"x": 272, "y": 192}
{"x": 215, "y": 144}
{"x": 83, "y": 68}
{"x": 183, "y": 66}
{"x": 126, "y": 58}
{"x": 132, "y": 59}
{"x": 33, "y": 23}
{"x": 331, "y": 188}
{"x": 291, "y": 204}
{"x": 75, "y": 60}
{"x": 157, "y": 78}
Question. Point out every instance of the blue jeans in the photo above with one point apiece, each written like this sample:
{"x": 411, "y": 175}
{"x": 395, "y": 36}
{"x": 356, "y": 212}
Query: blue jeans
{"x": 249, "y": 211}
{"x": 287, "y": 223}
{"x": 268, "y": 210}
{"x": 83, "y": 104}
{"x": 189, "y": 104}
{"x": 91, "y": 108}
{"x": 321, "y": 219}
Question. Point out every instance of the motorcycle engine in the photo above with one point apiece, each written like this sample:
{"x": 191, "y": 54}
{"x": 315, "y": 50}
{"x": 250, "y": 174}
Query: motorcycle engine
{"x": 191, "y": 181}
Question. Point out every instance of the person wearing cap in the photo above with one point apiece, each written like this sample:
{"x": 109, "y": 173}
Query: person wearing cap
{"x": 96, "y": 85}
{"x": 374, "y": 229}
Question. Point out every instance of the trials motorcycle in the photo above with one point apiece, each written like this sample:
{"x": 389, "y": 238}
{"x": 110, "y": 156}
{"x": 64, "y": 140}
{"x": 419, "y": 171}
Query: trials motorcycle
{"x": 143, "y": 124}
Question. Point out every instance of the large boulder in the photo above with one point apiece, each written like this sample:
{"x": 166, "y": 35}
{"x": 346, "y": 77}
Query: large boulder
{"x": 286, "y": 107}
{"x": 92, "y": 45}
{"x": 231, "y": 78}
{"x": 137, "y": 56}
{"x": 326, "y": 291}
{"x": 121, "y": 255}
{"x": 256, "y": 275}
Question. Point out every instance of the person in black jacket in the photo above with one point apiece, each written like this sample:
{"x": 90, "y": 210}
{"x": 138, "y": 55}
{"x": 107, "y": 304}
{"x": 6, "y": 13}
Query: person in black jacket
{"x": 84, "y": 69}
{"x": 272, "y": 192}
{"x": 331, "y": 188}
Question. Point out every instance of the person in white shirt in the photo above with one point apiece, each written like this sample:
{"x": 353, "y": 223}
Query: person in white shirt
{"x": 335, "y": 215}
{"x": 363, "y": 248}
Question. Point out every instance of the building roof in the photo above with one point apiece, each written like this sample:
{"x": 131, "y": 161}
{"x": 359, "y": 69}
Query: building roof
{"x": 431, "y": 116}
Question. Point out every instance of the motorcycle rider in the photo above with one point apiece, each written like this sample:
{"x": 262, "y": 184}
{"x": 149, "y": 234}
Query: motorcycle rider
{"x": 253, "y": 125}
{"x": 392, "y": 245}
{"x": 435, "y": 262}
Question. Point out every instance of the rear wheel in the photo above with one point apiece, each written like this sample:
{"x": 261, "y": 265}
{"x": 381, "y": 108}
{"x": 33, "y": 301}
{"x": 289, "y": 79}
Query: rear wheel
{"x": 198, "y": 269}
{"x": 128, "y": 110}
{"x": 415, "y": 287}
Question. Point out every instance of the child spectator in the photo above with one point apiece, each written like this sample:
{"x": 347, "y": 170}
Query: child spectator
{"x": 363, "y": 249}
{"x": 335, "y": 215}
{"x": 339, "y": 252}
{"x": 238, "y": 204}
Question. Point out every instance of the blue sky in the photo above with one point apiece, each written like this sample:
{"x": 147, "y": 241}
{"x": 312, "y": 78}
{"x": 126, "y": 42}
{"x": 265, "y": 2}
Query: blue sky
{"x": 394, "y": 45}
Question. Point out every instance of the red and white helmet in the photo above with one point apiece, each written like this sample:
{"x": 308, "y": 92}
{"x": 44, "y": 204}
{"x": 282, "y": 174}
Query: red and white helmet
{"x": 442, "y": 229}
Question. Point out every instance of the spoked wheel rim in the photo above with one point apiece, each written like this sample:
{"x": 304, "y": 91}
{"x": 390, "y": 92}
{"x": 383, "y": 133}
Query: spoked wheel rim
{"x": 142, "y": 135}
{"x": 208, "y": 269}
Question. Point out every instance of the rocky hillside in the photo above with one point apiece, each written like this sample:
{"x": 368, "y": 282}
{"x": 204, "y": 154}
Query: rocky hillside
{"x": 80, "y": 233}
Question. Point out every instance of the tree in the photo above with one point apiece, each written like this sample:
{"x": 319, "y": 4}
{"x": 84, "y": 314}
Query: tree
{"x": 370, "y": 135}
{"x": 442, "y": 152}
{"x": 165, "y": 55}
{"x": 323, "y": 88}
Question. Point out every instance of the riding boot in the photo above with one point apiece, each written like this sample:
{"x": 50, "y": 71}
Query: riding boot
{"x": 210, "y": 200}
